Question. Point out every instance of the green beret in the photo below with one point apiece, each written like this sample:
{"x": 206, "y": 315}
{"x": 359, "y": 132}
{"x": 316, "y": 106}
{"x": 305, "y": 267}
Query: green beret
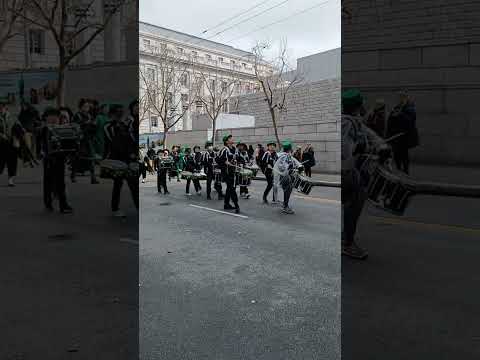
{"x": 208, "y": 143}
{"x": 352, "y": 97}
{"x": 272, "y": 142}
{"x": 287, "y": 145}
{"x": 226, "y": 137}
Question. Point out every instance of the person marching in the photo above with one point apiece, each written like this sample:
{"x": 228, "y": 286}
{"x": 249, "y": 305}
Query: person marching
{"x": 122, "y": 144}
{"x": 226, "y": 161}
{"x": 175, "y": 171}
{"x": 208, "y": 161}
{"x": 190, "y": 165}
{"x": 164, "y": 163}
{"x": 142, "y": 164}
{"x": 268, "y": 161}
{"x": 9, "y": 143}
{"x": 53, "y": 167}
{"x": 357, "y": 140}
{"x": 284, "y": 169}
{"x": 197, "y": 156}
{"x": 243, "y": 159}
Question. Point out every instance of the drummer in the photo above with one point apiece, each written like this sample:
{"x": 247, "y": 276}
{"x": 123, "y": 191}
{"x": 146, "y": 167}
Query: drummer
{"x": 208, "y": 161}
{"x": 53, "y": 167}
{"x": 268, "y": 160}
{"x": 284, "y": 169}
{"x": 243, "y": 159}
{"x": 226, "y": 161}
{"x": 164, "y": 159}
{"x": 190, "y": 165}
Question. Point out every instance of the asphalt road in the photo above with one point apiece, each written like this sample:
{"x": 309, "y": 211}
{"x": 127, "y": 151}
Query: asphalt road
{"x": 216, "y": 286}
{"x": 69, "y": 283}
{"x": 417, "y": 295}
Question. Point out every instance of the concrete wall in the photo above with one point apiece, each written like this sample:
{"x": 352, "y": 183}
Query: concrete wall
{"x": 395, "y": 45}
{"x": 313, "y": 116}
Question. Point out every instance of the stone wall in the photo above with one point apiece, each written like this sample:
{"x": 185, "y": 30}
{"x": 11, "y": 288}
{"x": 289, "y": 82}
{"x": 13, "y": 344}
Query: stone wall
{"x": 313, "y": 116}
{"x": 392, "y": 45}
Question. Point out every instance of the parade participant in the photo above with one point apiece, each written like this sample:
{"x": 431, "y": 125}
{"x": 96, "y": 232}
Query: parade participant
{"x": 142, "y": 164}
{"x": 175, "y": 171}
{"x": 9, "y": 143}
{"x": 121, "y": 136}
{"x": 190, "y": 165}
{"x": 28, "y": 118}
{"x": 151, "y": 158}
{"x": 53, "y": 167}
{"x": 268, "y": 161}
{"x": 284, "y": 168}
{"x": 226, "y": 161}
{"x": 86, "y": 156}
{"x": 243, "y": 159}
{"x": 308, "y": 159}
{"x": 100, "y": 122}
{"x": 357, "y": 141}
{"x": 163, "y": 158}
{"x": 403, "y": 121}
{"x": 208, "y": 161}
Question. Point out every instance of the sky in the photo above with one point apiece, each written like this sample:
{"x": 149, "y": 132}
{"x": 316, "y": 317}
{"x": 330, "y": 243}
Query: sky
{"x": 307, "y": 26}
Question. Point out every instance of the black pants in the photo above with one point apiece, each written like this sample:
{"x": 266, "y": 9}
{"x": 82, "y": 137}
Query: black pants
{"x": 243, "y": 190}
{"x": 117, "y": 188}
{"x": 401, "y": 158}
{"x": 79, "y": 164}
{"x": 162, "y": 180}
{"x": 8, "y": 157}
{"x": 54, "y": 181}
{"x": 353, "y": 201}
{"x": 143, "y": 170}
{"x": 216, "y": 184}
{"x": 308, "y": 171}
{"x": 230, "y": 192}
{"x": 269, "y": 177}
{"x": 196, "y": 184}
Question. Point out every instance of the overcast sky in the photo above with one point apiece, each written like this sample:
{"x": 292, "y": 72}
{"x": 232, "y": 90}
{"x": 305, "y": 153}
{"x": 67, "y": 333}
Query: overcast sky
{"x": 317, "y": 29}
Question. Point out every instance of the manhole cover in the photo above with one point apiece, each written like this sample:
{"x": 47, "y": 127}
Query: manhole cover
{"x": 164, "y": 204}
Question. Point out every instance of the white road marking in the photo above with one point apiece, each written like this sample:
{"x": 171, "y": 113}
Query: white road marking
{"x": 129, "y": 241}
{"x": 219, "y": 211}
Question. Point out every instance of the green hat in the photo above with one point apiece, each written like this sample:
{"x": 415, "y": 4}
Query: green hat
{"x": 352, "y": 97}
{"x": 226, "y": 137}
{"x": 208, "y": 143}
{"x": 287, "y": 145}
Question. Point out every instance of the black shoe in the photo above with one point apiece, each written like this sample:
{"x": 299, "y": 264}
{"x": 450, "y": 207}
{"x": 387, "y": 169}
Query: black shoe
{"x": 66, "y": 209}
{"x": 237, "y": 209}
{"x": 73, "y": 180}
{"x": 265, "y": 201}
{"x": 49, "y": 208}
{"x": 209, "y": 197}
{"x": 221, "y": 197}
{"x": 95, "y": 181}
{"x": 228, "y": 207}
{"x": 167, "y": 192}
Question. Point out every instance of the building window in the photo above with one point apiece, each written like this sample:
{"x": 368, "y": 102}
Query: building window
{"x": 154, "y": 121}
{"x": 194, "y": 54}
{"x": 37, "y": 41}
{"x": 180, "y": 50}
{"x": 184, "y": 79}
{"x": 212, "y": 85}
{"x": 185, "y": 101}
{"x": 225, "y": 107}
{"x": 244, "y": 65}
{"x": 146, "y": 42}
{"x": 208, "y": 56}
{"x": 220, "y": 59}
{"x": 151, "y": 74}
{"x": 224, "y": 85}
{"x": 233, "y": 62}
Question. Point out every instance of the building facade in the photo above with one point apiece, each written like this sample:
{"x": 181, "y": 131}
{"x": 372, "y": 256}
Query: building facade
{"x": 33, "y": 47}
{"x": 214, "y": 64}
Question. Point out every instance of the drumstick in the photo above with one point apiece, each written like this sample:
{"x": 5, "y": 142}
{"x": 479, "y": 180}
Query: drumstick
{"x": 394, "y": 137}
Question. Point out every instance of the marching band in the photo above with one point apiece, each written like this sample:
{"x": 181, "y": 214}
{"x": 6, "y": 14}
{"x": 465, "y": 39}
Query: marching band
{"x": 234, "y": 166}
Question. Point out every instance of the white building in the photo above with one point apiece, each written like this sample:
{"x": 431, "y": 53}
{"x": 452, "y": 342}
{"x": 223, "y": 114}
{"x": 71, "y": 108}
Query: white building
{"x": 191, "y": 56}
{"x": 34, "y": 47}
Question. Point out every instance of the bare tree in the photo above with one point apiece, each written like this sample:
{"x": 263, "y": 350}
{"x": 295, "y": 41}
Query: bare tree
{"x": 167, "y": 84}
{"x": 213, "y": 91}
{"x": 11, "y": 10}
{"x": 276, "y": 84}
{"x": 74, "y": 25}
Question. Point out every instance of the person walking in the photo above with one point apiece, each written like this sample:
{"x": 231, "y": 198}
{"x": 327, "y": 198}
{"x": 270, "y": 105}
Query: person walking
{"x": 308, "y": 160}
{"x": 9, "y": 143}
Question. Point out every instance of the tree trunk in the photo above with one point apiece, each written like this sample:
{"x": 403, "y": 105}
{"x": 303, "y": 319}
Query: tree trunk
{"x": 214, "y": 134}
{"x": 164, "y": 140}
{"x": 61, "y": 80}
{"x": 274, "y": 124}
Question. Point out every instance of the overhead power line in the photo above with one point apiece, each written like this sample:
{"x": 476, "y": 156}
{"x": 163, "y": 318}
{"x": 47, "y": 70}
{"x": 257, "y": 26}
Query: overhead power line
{"x": 235, "y": 16}
{"x": 248, "y": 19}
{"x": 279, "y": 21}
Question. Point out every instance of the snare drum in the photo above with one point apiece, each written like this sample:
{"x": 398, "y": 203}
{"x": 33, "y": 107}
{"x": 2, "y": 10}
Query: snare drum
{"x": 187, "y": 175}
{"x": 165, "y": 164}
{"x": 244, "y": 177}
{"x": 253, "y": 168}
{"x": 63, "y": 139}
{"x": 302, "y": 184}
{"x": 199, "y": 176}
{"x": 388, "y": 191}
{"x": 113, "y": 169}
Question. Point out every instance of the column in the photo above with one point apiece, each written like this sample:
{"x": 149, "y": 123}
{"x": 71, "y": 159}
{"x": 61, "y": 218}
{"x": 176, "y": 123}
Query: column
{"x": 112, "y": 34}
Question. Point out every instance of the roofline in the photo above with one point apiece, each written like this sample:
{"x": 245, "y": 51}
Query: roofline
{"x": 195, "y": 37}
